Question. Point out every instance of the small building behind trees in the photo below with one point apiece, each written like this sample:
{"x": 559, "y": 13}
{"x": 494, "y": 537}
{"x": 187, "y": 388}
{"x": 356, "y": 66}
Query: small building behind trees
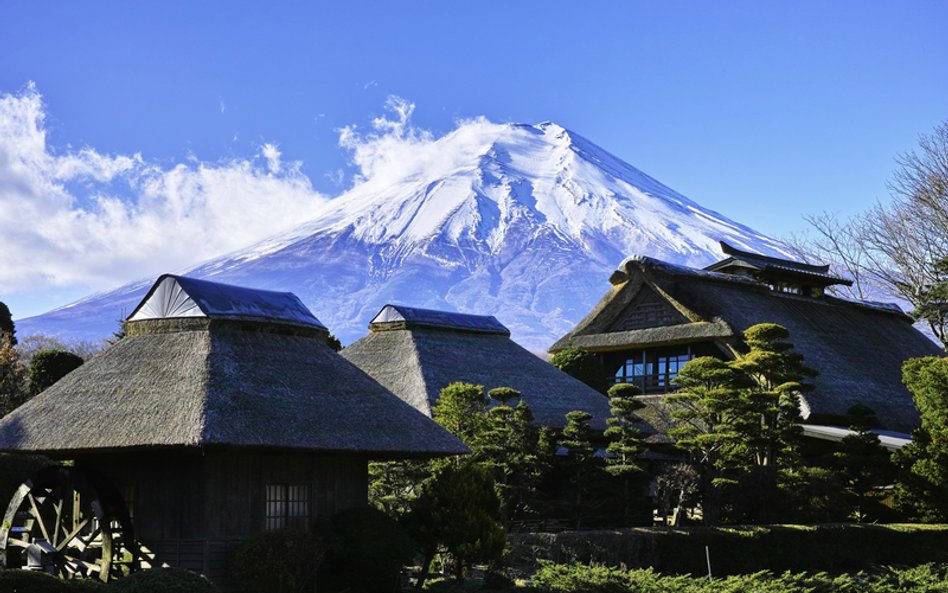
{"x": 417, "y": 352}
{"x": 221, "y": 414}
{"x": 657, "y": 316}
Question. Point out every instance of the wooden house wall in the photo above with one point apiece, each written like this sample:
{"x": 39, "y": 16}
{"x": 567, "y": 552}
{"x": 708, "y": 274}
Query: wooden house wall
{"x": 192, "y": 510}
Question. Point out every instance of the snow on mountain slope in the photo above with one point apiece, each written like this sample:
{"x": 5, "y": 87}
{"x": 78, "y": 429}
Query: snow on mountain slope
{"x": 522, "y": 222}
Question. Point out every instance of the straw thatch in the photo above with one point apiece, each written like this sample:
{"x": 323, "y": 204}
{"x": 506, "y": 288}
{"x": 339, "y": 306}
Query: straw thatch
{"x": 415, "y": 360}
{"x": 858, "y": 348}
{"x": 209, "y": 381}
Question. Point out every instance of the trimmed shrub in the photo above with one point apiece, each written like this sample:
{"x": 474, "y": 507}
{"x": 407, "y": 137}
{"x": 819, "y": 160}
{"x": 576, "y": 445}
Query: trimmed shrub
{"x": 162, "y": 580}
{"x": 25, "y": 581}
{"x": 559, "y": 578}
{"x": 367, "y": 552}
{"x": 737, "y": 550}
{"x": 283, "y": 561}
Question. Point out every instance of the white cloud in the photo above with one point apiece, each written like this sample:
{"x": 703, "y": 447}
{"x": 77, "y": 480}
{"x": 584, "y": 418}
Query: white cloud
{"x": 272, "y": 154}
{"x": 133, "y": 218}
{"x": 395, "y": 149}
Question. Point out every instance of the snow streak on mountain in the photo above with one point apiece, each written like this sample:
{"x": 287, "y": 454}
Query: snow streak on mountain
{"x": 522, "y": 222}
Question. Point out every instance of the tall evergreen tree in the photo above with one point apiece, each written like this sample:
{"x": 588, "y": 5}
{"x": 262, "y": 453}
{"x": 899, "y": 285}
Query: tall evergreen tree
{"x": 6, "y": 323}
{"x": 582, "y": 466}
{"x": 625, "y": 445}
{"x": 777, "y": 375}
{"x": 514, "y": 448}
{"x": 863, "y": 467}
{"x": 462, "y": 410}
{"x": 458, "y": 512}
{"x": 709, "y": 410}
{"x": 923, "y": 477}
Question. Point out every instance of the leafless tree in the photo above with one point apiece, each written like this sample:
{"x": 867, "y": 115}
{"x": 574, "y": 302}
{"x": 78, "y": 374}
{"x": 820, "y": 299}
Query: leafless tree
{"x": 900, "y": 246}
{"x": 836, "y": 242}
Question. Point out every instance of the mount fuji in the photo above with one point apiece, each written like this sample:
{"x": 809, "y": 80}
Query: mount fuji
{"x": 523, "y": 222}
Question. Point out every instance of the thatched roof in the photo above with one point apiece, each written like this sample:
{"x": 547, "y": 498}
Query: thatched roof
{"x": 858, "y": 348}
{"x": 222, "y": 379}
{"x": 416, "y": 360}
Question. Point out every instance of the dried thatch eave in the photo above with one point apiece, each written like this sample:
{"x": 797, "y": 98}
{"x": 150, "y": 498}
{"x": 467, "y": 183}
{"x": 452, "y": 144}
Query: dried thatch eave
{"x": 415, "y": 363}
{"x": 199, "y": 383}
{"x": 653, "y": 336}
{"x": 858, "y": 348}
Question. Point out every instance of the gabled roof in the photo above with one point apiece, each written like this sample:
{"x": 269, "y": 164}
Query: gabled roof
{"x": 775, "y": 266}
{"x": 399, "y": 316}
{"x": 858, "y": 348}
{"x": 416, "y": 361}
{"x": 179, "y": 296}
{"x": 215, "y": 381}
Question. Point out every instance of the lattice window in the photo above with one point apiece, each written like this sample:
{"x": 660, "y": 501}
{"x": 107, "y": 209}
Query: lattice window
{"x": 653, "y": 372}
{"x": 287, "y": 506}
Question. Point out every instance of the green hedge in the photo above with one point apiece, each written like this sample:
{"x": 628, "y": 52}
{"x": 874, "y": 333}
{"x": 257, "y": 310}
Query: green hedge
{"x": 558, "y": 578}
{"x": 737, "y": 550}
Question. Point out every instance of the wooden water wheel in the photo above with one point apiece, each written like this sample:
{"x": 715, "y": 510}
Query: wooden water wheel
{"x": 70, "y": 523}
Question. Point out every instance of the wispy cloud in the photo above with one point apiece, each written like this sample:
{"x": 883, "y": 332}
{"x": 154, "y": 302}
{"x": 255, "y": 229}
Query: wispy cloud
{"x": 132, "y": 217}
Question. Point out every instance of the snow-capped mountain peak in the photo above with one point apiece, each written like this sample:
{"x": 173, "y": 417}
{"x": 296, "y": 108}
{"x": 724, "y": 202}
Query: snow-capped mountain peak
{"x": 524, "y": 222}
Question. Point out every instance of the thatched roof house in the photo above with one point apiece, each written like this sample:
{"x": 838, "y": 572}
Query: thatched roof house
{"x": 656, "y": 316}
{"x": 206, "y": 364}
{"x": 221, "y": 414}
{"x": 417, "y": 352}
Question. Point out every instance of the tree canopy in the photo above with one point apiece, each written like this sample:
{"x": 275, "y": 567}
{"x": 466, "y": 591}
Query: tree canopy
{"x": 923, "y": 482}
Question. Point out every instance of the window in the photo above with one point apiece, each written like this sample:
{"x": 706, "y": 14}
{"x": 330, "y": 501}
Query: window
{"x": 287, "y": 506}
{"x": 652, "y": 371}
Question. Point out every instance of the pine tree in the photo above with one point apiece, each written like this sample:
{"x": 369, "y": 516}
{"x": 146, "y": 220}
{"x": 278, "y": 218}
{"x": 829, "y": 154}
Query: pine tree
{"x": 580, "y": 462}
{"x": 6, "y": 323}
{"x": 863, "y": 466}
{"x": 513, "y": 447}
{"x": 709, "y": 407}
{"x": 458, "y": 512}
{"x": 625, "y": 444}
{"x": 462, "y": 410}
{"x": 776, "y": 376}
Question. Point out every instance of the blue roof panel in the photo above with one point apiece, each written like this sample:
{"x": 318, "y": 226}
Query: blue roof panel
{"x": 443, "y": 319}
{"x": 227, "y": 301}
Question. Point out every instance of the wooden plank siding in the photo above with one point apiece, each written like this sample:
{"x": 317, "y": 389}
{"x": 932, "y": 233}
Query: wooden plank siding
{"x": 192, "y": 509}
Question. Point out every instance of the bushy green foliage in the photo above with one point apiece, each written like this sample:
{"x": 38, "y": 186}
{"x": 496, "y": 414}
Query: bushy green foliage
{"x": 22, "y": 581}
{"x": 283, "y": 561}
{"x": 393, "y": 485}
{"x": 578, "y": 578}
{"x": 12, "y": 376}
{"x": 739, "y": 423}
{"x": 581, "y": 464}
{"x": 863, "y": 468}
{"x": 462, "y": 410}
{"x": 458, "y": 512}
{"x": 163, "y": 580}
{"x": 366, "y": 553}
{"x": 923, "y": 484}
{"x": 516, "y": 451}
{"x": 740, "y": 550}
{"x": 48, "y": 366}
{"x": 7, "y": 326}
{"x": 625, "y": 445}
{"x": 583, "y": 365}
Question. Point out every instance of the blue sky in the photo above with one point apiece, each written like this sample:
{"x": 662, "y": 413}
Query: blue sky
{"x": 763, "y": 111}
